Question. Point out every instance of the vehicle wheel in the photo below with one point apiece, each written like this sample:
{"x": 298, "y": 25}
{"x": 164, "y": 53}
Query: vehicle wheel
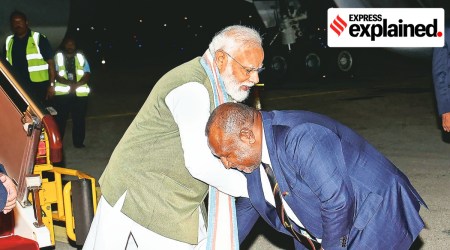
{"x": 276, "y": 72}
{"x": 278, "y": 65}
{"x": 345, "y": 61}
{"x": 313, "y": 64}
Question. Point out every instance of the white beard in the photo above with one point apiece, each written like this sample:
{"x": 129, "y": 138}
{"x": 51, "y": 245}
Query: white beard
{"x": 232, "y": 85}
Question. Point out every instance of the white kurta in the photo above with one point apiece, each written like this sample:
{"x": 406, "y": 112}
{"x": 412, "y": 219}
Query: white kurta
{"x": 190, "y": 107}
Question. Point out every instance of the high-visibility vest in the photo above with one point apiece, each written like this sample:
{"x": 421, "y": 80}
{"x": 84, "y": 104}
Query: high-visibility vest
{"x": 64, "y": 89}
{"x": 37, "y": 66}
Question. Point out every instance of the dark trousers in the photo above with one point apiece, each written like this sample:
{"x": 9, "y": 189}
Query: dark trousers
{"x": 76, "y": 107}
{"x": 39, "y": 91}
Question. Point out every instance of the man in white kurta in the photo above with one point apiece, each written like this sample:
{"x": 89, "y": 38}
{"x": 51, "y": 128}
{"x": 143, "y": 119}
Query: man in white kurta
{"x": 158, "y": 175}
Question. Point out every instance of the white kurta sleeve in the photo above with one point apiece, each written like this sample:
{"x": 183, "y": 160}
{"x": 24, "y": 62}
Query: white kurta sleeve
{"x": 189, "y": 105}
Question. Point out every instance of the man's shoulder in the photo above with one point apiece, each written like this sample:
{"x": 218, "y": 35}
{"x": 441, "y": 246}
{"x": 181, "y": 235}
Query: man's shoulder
{"x": 33, "y": 32}
{"x": 80, "y": 52}
{"x": 190, "y": 70}
{"x": 42, "y": 36}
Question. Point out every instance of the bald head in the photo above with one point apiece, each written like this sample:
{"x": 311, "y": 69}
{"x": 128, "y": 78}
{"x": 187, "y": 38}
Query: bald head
{"x": 231, "y": 117}
{"x": 234, "y": 135}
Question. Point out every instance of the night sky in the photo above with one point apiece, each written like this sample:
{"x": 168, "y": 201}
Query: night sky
{"x": 170, "y": 31}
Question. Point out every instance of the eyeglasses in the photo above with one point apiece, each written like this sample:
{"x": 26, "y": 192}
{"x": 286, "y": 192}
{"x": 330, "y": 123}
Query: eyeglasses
{"x": 247, "y": 69}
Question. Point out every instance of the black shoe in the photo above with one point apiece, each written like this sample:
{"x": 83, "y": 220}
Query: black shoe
{"x": 79, "y": 146}
{"x": 445, "y": 136}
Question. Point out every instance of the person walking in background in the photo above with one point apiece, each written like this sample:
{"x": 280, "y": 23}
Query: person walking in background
{"x": 441, "y": 80}
{"x": 71, "y": 90}
{"x": 31, "y": 57}
{"x": 157, "y": 177}
{"x": 336, "y": 188}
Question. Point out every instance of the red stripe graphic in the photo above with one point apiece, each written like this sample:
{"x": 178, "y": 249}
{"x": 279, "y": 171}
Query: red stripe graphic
{"x": 338, "y": 25}
{"x": 338, "y": 32}
{"x": 341, "y": 21}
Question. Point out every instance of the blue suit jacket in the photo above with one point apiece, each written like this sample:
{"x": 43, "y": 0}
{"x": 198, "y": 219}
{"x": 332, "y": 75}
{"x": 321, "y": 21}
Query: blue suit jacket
{"x": 441, "y": 73}
{"x": 336, "y": 183}
{"x": 3, "y": 191}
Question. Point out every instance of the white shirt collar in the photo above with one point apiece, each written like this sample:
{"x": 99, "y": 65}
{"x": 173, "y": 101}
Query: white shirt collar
{"x": 264, "y": 151}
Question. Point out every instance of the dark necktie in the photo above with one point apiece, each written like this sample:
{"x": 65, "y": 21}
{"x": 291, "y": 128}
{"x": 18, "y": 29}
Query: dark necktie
{"x": 306, "y": 241}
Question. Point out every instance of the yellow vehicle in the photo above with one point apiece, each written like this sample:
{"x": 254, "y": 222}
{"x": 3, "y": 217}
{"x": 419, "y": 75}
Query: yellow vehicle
{"x": 30, "y": 144}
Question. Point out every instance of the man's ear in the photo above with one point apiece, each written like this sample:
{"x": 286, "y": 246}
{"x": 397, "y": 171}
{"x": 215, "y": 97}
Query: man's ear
{"x": 246, "y": 135}
{"x": 221, "y": 60}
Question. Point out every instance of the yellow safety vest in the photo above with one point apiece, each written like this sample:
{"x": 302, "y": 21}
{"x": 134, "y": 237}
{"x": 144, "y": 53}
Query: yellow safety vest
{"x": 37, "y": 66}
{"x": 64, "y": 89}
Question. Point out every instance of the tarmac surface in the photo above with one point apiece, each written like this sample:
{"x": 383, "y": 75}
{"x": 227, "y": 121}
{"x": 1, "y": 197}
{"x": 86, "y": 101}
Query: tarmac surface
{"x": 395, "y": 112}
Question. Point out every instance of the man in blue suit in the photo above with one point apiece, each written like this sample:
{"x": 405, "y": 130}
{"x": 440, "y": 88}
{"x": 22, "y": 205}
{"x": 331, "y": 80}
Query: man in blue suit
{"x": 336, "y": 188}
{"x": 441, "y": 79}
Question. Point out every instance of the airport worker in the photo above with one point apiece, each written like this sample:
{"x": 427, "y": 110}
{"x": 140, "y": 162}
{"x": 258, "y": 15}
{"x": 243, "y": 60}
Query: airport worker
{"x": 31, "y": 56}
{"x": 72, "y": 90}
{"x": 441, "y": 78}
{"x": 8, "y": 192}
{"x": 155, "y": 182}
{"x": 331, "y": 185}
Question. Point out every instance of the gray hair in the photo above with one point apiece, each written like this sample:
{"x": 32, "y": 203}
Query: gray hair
{"x": 231, "y": 117}
{"x": 233, "y": 37}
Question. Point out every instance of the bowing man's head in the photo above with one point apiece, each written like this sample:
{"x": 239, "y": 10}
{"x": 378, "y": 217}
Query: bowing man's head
{"x": 234, "y": 132}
